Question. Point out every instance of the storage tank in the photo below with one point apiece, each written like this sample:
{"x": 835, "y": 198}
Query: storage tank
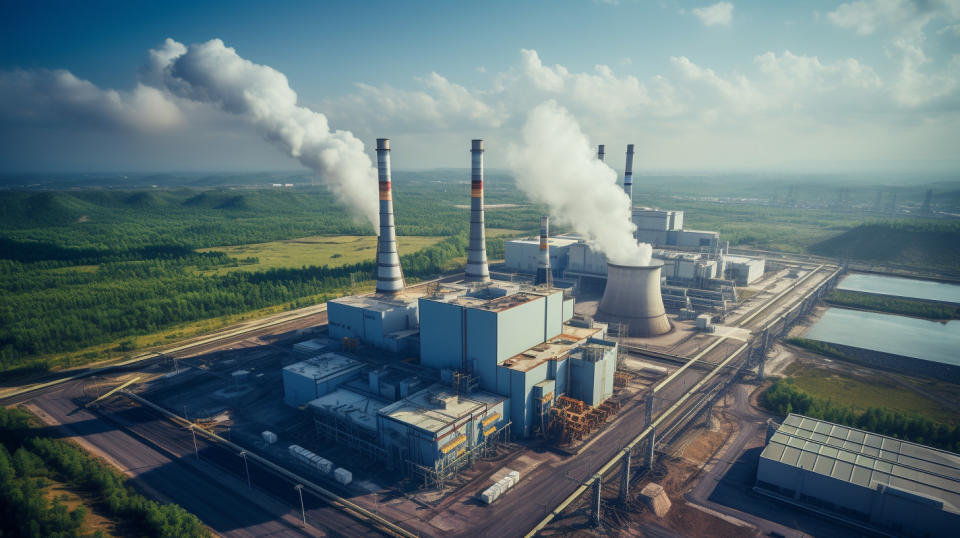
{"x": 632, "y": 297}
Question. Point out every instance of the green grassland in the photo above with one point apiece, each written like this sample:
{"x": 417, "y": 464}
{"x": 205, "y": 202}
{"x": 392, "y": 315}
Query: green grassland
{"x": 862, "y": 392}
{"x": 315, "y": 250}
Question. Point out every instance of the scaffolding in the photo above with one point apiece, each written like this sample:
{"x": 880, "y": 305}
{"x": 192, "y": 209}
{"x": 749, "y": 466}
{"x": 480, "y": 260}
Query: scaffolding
{"x": 572, "y": 420}
{"x": 332, "y": 427}
{"x": 448, "y": 470}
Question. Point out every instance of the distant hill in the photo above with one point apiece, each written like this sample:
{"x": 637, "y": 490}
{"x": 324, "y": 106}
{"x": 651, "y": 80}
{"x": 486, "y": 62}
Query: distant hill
{"x": 923, "y": 244}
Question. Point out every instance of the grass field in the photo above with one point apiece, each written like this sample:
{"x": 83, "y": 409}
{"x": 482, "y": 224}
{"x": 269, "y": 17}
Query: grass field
{"x": 323, "y": 250}
{"x": 316, "y": 250}
{"x": 862, "y": 392}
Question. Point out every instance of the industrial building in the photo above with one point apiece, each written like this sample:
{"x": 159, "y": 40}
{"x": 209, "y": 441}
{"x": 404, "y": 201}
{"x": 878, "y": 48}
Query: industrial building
{"x": 664, "y": 228}
{"x": 307, "y": 380}
{"x": 862, "y": 477}
{"x": 506, "y": 352}
{"x": 522, "y": 255}
{"x": 435, "y": 426}
{"x": 744, "y": 270}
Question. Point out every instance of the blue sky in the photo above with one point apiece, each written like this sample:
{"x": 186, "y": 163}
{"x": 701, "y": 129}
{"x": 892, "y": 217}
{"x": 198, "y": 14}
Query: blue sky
{"x": 698, "y": 86}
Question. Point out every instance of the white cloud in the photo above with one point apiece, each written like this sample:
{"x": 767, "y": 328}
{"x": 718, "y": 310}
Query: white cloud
{"x": 719, "y": 14}
{"x": 57, "y": 96}
{"x": 920, "y": 81}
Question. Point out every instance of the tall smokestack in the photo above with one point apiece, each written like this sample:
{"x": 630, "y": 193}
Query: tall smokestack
{"x": 543, "y": 261}
{"x": 389, "y": 275}
{"x": 477, "y": 251}
{"x": 600, "y": 152}
{"x": 628, "y": 175}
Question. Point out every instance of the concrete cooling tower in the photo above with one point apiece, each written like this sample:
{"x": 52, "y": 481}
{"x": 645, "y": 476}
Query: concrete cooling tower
{"x": 632, "y": 297}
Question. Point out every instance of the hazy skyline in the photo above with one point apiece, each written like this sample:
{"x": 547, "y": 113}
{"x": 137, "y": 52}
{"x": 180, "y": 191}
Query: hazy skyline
{"x": 698, "y": 86}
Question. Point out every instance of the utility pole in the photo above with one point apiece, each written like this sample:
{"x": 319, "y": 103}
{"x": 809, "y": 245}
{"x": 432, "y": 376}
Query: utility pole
{"x": 303, "y": 513}
{"x": 243, "y": 454}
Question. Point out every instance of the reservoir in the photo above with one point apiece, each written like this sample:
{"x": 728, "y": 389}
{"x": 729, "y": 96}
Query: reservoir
{"x": 901, "y": 287}
{"x": 900, "y": 335}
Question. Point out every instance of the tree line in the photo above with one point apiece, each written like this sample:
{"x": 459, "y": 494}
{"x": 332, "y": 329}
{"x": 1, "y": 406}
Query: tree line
{"x": 27, "y": 464}
{"x": 46, "y": 312}
{"x": 784, "y": 397}
{"x": 894, "y": 305}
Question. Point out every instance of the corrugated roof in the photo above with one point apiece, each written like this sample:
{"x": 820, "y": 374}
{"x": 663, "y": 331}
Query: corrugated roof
{"x": 866, "y": 459}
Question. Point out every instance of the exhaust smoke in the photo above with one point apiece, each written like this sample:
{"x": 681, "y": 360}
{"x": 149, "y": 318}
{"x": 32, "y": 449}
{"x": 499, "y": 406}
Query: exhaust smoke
{"x": 555, "y": 165}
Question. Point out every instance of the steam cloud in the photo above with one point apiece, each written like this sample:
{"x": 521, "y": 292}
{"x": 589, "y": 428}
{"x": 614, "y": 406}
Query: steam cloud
{"x": 555, "y": 165}
{"x": 213, "y": 73}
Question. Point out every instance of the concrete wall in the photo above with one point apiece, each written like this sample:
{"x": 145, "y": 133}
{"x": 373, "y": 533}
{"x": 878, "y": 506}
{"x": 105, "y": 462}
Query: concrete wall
{"x": 568, "y": 310}
{"x": 583, "y": 259}
{"x": 520, "y": 257}
{"x": 521, "y": 397}
{"x": 519, "y": 328}
{"x": 441, "y": 335}
{"x": 694, "y": 238}
{"x": 345, "y": 321}
{"x": 554, "y": 316}
{"x": 592, "y": 382}
{"x": 298, "y": 390}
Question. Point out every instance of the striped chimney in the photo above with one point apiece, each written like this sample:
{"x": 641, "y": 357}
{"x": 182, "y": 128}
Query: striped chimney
{"x": 600, "y": 152}
{"x": 389, "y": 275}
{"x": 628, "y": 175}
{"x": 543, "y": 261}
{"x": 477, "y": 251}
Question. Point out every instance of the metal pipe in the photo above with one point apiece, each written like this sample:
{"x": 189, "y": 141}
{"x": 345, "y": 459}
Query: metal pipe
{"x": 476, "y": 270}
{"x": 389, "y": 274}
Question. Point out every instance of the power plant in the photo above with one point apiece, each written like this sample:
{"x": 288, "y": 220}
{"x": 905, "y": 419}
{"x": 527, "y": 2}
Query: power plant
{"x": 632, "y": 297}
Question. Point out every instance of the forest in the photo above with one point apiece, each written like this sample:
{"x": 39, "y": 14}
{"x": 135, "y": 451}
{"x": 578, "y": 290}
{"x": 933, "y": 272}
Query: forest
{"x": 784, "y": 397}
{"x": 93, "y": 267}
{"x": 28, "y": 465}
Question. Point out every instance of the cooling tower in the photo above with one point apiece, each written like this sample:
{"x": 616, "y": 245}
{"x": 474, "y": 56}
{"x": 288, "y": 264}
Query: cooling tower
{"x": 477, "y": 251}
{"x": 543, "y": 258}
{"x": 389, "y": 275}
{"x": 628, "y": 174}
{"x": 600, "y": 152}
{"x": 632, "y": 297}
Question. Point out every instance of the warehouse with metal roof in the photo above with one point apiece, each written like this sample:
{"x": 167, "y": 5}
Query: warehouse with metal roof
{"x": 863, "y": 477}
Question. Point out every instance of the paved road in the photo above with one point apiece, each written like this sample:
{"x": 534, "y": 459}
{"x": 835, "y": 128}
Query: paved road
{"x": 161, "y": 474}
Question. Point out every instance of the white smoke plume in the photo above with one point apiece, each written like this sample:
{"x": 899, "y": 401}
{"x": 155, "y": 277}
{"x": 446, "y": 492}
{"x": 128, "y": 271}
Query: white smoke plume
{"x": 213, "y": 73}
{"x": 555, "y": 165}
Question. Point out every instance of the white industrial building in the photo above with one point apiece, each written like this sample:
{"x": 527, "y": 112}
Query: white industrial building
{"x": 388, "y": 323}
{"x": 521, "y": 255}
{"x": 902, "y": 487}
{"x": 660, "y": 227}
{"x": 744, "y": 270}
{"x": 308, "y": 380}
